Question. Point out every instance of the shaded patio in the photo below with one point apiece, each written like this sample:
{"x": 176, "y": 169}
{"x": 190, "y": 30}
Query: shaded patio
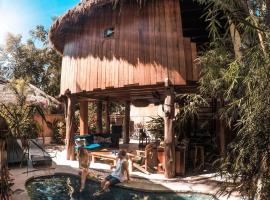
{"x": 202, "y": 184}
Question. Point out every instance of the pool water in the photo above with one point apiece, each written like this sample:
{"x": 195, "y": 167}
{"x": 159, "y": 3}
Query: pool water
{"x": 66, "y": 187}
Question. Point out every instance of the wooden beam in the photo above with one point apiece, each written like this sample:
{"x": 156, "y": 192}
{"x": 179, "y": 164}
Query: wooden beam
{"x": 221, "y": 133}
{"x": 222, "y": 138}
{"x": 169, "y": 142}
{"x": 70, "y": 126}
{"x": 107, "y": 116}
{"x": 99, "y": 116}
{"x": 3, "y": 153}
{"x": 126, "y": 122}
{"x": 83, "y": 118}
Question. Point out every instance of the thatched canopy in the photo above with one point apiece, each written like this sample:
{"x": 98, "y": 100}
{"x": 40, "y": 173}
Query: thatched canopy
{"x": 36, "y": 96}
{"x": 64, "y": 24}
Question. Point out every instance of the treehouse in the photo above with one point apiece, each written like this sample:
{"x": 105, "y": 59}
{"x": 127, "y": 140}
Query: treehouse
{"x": 128, "y": 52}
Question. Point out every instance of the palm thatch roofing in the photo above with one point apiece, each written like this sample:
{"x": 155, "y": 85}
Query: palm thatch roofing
{"x": 64, "y": 24}
{"x": 35, "y": 97}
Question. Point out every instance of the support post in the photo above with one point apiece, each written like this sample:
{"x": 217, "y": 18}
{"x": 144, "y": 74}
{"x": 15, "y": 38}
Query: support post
{"x": 70, "y": 127}
{"x": 3, "y": 153}
{"x": 126, "y": 122}
{"x": 107, "y": 117}
{"x": 83, "y": 118}
{"x": 99, "y": 116}
{"x": 169, "y": 142}
{"x": 222, "y": 130}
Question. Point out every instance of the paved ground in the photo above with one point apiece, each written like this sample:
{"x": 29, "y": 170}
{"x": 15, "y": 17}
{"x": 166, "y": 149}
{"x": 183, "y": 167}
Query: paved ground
{"x": 206, "y": 184}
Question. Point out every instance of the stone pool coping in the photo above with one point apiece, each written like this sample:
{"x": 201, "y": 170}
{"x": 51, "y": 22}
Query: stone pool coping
{"x": 140, "y": 187}
{"x": 131, "y": 185}
{"x": 201, "y": 184}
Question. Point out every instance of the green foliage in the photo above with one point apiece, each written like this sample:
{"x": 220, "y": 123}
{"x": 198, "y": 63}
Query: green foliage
{"x": 58, "y": 128}
{"x": 156, "y": 125}
{"x": 5, "y": 184}
{"x": 5, "y": 181}
{"x": 241, "y": 84}
{"x": 115, "y": 108}
{"x": 40, "y": 65}
{"x": 19, "y": 117}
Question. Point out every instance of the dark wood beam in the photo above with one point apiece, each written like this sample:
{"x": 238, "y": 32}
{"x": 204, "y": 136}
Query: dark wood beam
{"x": 107, "y": 116}
{"x": 99, "y": 116}
{"x": 126, "y": 122}
{"x": 70, "y": 126}
{"x": 83, "y": 117}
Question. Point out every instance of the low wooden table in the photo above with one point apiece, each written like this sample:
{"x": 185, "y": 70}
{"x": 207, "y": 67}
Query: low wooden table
{"x": 106, "y": 155}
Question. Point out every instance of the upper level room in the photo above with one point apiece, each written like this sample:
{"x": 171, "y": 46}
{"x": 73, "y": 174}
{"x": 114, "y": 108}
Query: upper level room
{"x": 107, "y": 45}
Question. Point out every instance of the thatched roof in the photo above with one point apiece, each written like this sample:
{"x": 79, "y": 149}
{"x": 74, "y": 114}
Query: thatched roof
{"x": 64, "y": 24}
{"x": 37, "y": 96}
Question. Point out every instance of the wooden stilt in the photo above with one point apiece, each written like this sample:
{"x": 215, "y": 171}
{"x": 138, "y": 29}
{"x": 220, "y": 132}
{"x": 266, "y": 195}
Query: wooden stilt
{"x": 107, "y": 117}
{"x": 70, "y": 127}
{"x": 99, "y": 117}
{"x": 222, "y": 139}
{"x": 83, "y": 118}
{"x": 222, "y": 130}
{"x": 169, "y": 142}
{"x": 126, "y": 123}
{"x": 3, "y": 153}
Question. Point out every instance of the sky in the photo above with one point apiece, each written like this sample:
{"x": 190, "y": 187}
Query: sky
{"x": 20, "y": 16}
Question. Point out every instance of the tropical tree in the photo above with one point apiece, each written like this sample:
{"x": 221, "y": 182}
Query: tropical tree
{"x": 19, "y": 117}
{"x": 236, "y": 71}
{"x": 33, "y": 60}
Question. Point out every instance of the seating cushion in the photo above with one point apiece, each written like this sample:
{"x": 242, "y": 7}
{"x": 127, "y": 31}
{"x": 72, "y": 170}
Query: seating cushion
{"x": 105, "y": 140}
{"x": 90, "y": 147}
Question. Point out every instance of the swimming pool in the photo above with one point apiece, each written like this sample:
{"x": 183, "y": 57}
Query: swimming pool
{"x": 66, "y": 187}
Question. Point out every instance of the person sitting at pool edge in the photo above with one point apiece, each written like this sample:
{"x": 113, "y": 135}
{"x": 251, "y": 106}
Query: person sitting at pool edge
{"x": 84, "y": 163}
{"x": 118, "y": 175}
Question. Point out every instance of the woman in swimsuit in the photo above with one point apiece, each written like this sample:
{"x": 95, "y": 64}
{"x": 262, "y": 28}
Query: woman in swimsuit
{"x": 84, "y": 163}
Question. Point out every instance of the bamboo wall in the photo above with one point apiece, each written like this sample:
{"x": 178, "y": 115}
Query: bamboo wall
{"x": 147, "y": 47}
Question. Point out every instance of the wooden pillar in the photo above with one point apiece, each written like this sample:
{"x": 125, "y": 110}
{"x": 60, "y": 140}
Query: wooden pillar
{"x": 70, "y": 126}
{"x": 107, "y": 116}
{"x": 169, "y": 142}
{"x": 222, "y": 132}
{"x": 99, "y": 116}
{"x": 3, "y": 153}
{"x": 126, "y": 123}
{"x": 222, "y": 138}
{"x": 83, "y": 118}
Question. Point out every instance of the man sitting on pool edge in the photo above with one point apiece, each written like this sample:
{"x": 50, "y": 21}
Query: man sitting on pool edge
{"x": 118, "y": 175}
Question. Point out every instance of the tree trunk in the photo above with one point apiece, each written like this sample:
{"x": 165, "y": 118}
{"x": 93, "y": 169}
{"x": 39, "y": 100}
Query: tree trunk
{"x": 83, "y": 118}
{"x": 126, "y": 122}
{"x": 107, "y": 117}
{"x": 236, "y": 40}
{"x": 169, "y": 150}
{"x": 267, "y": 18}
{"x": 99, "y": 116}
{"x": 70, "y": 127}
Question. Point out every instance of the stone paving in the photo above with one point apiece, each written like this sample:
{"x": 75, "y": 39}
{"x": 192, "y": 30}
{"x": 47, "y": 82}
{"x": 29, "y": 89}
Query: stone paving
{"x": 205, "y": 184}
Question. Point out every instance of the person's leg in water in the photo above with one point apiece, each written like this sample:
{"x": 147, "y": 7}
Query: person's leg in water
{"x": 102, "y": 183}
{"x": 106, "y": 183}
{"x": 84, "y": 174}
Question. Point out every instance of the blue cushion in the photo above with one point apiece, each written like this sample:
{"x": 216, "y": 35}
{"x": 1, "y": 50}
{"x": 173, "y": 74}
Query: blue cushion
{"x": 90, "y": 147}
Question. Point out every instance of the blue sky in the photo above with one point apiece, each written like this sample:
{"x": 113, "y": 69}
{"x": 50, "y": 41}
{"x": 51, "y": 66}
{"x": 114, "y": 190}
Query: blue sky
{"x": 20, "y": 16}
